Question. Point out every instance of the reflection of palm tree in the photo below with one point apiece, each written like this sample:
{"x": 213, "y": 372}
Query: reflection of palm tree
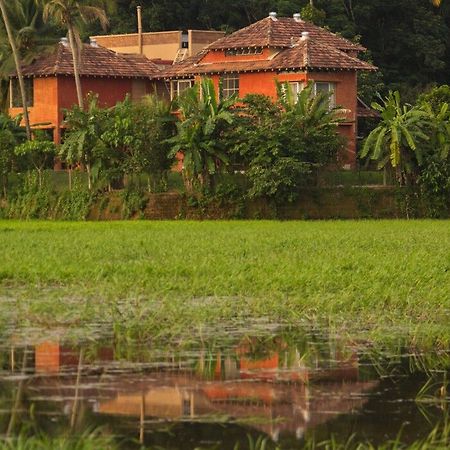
{"x": 73, "y": 416}
{"x": 18, "y": 397}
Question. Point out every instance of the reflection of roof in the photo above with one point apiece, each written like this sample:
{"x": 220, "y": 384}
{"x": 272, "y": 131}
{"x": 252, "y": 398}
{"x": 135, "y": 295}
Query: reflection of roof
{"x": 95, "y": 61}
{"x": 279, "y": 33}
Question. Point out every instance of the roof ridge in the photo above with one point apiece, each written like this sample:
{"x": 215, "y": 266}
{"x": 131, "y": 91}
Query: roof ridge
{"x": 58, "y": 56}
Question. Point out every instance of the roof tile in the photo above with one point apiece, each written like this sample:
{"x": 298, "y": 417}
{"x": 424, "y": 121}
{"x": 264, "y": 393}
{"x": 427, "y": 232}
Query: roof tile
{"x": 278, "y": 33}
{"x": 95, "y": 61}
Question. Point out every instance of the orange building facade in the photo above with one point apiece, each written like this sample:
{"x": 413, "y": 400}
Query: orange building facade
{"x": 287, "y": 50}
{"x": 52, "y": 95}
{"x": 51, "y": 87}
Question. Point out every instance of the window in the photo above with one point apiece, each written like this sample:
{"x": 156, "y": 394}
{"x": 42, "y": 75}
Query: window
{"x": 230, "y": 84}
{"x": 294, "y": 86}
{"x": 326, "y": 87}
{"x": 16, "y": 96}
{"x": 179, "y": 86}
{"x": 244, "y": 51}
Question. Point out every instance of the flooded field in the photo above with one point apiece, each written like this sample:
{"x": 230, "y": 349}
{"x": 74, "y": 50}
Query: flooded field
{"x": 281, "y": 387}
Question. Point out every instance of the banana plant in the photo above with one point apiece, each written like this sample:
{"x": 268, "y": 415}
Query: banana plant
{"x": 203, "y": 120}
{"x": 395, "y": 142}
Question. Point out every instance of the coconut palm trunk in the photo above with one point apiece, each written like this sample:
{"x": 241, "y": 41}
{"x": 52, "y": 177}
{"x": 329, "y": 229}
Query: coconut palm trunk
{"x": 18, "y": 67}
{"x": 76, "y": 65}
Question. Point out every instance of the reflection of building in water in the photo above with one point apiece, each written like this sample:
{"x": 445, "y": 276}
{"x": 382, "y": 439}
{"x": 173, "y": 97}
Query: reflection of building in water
{"x": 277, "y": 390}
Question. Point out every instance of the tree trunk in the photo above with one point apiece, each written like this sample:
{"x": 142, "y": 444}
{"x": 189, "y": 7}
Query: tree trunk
{"x": 76, "y": 66}
{"x": 70, "y": 177}
{"x": 88, "y": 170}
{"x": 15, "y": 52}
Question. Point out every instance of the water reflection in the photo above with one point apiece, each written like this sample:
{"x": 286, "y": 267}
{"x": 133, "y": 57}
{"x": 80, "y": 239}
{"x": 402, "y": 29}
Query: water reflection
{"x": 283, "y": 387}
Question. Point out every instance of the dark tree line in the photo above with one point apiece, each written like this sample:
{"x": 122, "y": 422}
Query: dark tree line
{"x": 407, "y": 39}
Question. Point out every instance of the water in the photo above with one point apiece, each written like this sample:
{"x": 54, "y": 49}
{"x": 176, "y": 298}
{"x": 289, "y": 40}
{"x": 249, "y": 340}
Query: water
{"x": 291, "y": 386}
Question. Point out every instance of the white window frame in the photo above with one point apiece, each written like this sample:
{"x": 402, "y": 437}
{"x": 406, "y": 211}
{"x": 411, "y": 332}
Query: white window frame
{"x": 179, "y": 86}
{"x": 294, "y": 86}
{"x": 331, "y": 88}
{"x": 230, "y": 84}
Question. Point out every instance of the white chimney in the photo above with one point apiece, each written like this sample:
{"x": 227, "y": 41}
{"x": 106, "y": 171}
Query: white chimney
{"x": 93, "y": 42}
{"x": 273, "y": 15}
{"x": 297, "y": 17}
{"x": 64, "y": 41}
{"x": 305, "y": 35}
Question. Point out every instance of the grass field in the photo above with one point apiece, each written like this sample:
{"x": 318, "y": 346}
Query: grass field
{"x": 162, "y": 278}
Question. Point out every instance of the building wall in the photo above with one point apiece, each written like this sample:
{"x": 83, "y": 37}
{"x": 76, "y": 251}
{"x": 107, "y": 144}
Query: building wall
{"x": 159, "y": 45}
{"x": 44, "y": 110}
{"x": 346, "y": 97}
{"x": 54, "y": 94}
{"x": 199, "y": 39}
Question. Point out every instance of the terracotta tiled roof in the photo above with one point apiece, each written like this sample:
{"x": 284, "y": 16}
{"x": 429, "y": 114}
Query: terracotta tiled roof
{"x": 95, "y": 61}
{"x": 278, "y": 33}
{"x": 363, "y": 110}
{"x": 303, "y": 55}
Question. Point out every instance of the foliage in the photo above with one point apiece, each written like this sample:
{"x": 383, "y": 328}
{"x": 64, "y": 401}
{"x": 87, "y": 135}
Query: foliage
{"x": 435, "y": 98}
{"x": 82, "y": 144}
{"x": 134, "y": 202}
{"x": 314, "y": 15}
{"x": 74, "y": 204}
{"x": 86, "y": 441}
{"x": 11, "y": 134}
{"x": 38, "y": 153}
{"x": 136, "y": 135}
{"x": 282, "y": 143}
{"x": 203, "y": 122}
{"x": 395, "y": 142}
{"x": 32, "y": 200}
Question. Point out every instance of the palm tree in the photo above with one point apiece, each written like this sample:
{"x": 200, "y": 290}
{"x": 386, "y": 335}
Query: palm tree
{"x": 12, "y": 43}
{"x": 72, "y": 14}
{"x": 203, "y": 120}
{"x": 394, "y": 141}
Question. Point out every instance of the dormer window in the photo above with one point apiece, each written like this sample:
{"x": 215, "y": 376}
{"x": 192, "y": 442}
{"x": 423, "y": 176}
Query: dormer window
{"x": 244, "y": 51}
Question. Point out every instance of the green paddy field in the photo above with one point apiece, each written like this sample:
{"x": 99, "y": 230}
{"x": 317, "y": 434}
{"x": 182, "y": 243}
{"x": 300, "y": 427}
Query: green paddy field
{"x": 160, "y": 279}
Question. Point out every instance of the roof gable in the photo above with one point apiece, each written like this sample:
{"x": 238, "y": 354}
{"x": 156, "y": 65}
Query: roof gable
{"x": 95, "y": 62}
{"x": 280, "y": 32}
{"x": 305, "y": 54}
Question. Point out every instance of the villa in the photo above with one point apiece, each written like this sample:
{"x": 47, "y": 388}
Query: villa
{"x": 249, "y": 61}
{"x": 291, "y": 50}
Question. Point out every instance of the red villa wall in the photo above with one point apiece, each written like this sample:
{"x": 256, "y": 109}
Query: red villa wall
{"x": 53, "y": 94}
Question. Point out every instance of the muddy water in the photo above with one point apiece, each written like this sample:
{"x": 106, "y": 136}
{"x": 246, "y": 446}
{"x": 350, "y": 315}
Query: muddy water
{"x": 290, "y": 386}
